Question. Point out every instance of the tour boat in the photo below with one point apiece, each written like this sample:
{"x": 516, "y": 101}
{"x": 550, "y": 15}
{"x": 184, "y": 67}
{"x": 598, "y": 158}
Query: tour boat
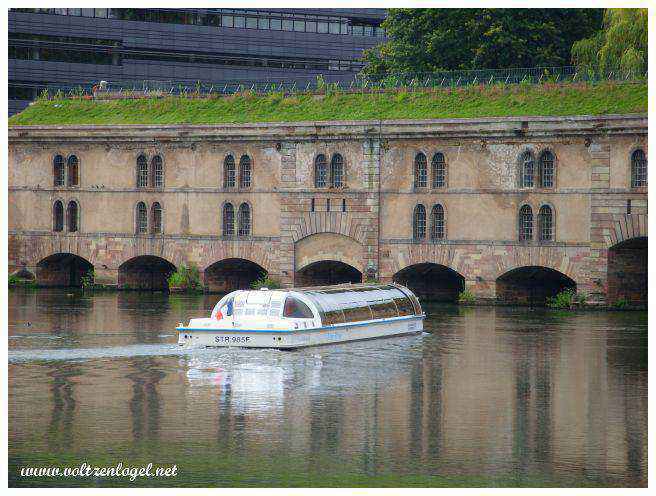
{"x": 294, "y": 318}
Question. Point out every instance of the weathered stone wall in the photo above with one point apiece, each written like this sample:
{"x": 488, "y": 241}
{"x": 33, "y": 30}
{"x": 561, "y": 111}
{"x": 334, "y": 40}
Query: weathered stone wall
{"x": 292, "y": 225}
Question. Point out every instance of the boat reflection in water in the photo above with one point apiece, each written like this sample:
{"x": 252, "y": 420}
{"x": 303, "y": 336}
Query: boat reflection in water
{"x": 301, "y": 317}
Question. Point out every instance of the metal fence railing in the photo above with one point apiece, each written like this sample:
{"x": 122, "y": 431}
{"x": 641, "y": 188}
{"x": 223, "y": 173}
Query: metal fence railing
{"x": 329, "y": 83}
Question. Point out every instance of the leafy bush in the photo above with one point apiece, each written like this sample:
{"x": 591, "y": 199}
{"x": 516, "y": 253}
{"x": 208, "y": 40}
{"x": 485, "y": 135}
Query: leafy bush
{"x": 186, "y": 278}
{"x": 16, "y": 280}
{"x": 564, "y": 299}
{"x": 266, "y": 282}
{"x": 466, "y": 297}
{"x": 88, "y": 279}
{"x": 621, "y": 303}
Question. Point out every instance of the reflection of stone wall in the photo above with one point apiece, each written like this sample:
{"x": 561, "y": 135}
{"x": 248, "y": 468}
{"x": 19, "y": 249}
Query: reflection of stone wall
{"x": 481, "y": 198}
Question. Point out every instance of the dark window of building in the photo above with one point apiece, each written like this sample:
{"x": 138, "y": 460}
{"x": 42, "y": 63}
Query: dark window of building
{"x": 546, "y": 171}
{"x": 320, "y": 171}
{"x": 73, "y": 171}
{"x": 526, "y": 162}
{"x": 312, "y": 205}
{"x": 58, "y": 216}
{"x": 628, "y": 207}
{"x": 439, "y": 171}
{"x": 156, "y": 218}
{"x": 545, "y": 223}
{"x": 158, "y": 172}
{"x": 244, "y": 220}
{"x": 141, "y": 218}
{"x": 58, "y": 171}
{"x": 421, "y": 172}
{"x": 72, "y": 216}
{"x": 525, "y": 223}
{"x": 229, "y": 172}
{"x": 245, "y": 171}
{"x": 638, "y": 169}
{"x": 437, "y": 222}
{"x": 228, "y": 220}
{"x": 327, "y": 204}
{"x": 344, "y": 205}
{"x": 419, "y": 223}
{"x": 142, "y": 171}
{"x": 337, "y": 171}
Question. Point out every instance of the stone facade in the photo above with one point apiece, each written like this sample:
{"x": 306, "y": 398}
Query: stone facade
{"x": 365, "y": 226}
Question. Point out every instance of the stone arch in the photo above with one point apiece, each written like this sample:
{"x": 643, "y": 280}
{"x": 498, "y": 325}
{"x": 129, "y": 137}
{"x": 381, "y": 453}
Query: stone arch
{"x": 627, "y": 272}
{"x": 328, "y": 246}
{"x": 431, "y": 281}
{"x": 231, "y": 274}
{"x": 335, "y": 222}
{"x": 550, "y": 257}
{"x": 145, "y": 272}
{"x": 327, "y": 272}
{"x": 439, "y": 254}
{"x": 62, "y": 270}
{"x": 260, "y": 253}
{"x": 625, "y": 227}
{"x": 531, "y": 285}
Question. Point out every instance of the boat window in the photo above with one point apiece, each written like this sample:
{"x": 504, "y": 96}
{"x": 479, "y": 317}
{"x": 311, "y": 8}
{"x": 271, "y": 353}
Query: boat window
{"x": 404, "y": 305}
{"x": 357, "y": 312}
{"x": 295, "y": 308}
{"x": 383, "y": 309}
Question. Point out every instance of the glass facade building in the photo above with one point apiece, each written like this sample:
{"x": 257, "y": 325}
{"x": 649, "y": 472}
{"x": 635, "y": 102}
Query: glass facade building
{"x": 50, "y": 48}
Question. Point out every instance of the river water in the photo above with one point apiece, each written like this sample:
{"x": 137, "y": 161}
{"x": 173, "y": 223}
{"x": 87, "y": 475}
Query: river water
{"x": 486, "y": 397}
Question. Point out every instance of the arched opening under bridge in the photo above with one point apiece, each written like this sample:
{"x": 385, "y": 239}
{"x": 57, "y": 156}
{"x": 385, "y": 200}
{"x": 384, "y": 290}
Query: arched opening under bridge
{"x": 62, "y": 270}
{"x": 531, "y": 285}
{"x": 231, "y": 274}
{"x": 146, "y": 273}
{"x": 431, "y": 282}
{"x": 627, "y": 272}
{"x": 327, "y": 272}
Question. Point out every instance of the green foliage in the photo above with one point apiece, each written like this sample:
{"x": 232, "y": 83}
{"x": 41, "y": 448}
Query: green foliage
{"x": 433, "y": 40}
{"x": 621, "y": 304}
{"x": 488, "y": 101}
{"x": 88, "y": 279}
{"x": 266, "y": 282}
{"x": 564, "y": 299}
{"x": 15, "y": 281}
{"x": 186, "y": 278}
{"x": 621, "y": 44}
{"x": 466, "y": 296}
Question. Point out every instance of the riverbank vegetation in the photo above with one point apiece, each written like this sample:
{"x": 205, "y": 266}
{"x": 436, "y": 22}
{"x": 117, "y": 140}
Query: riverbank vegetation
{"x": 547, "y": 99}
{"x": 186, "y": 279}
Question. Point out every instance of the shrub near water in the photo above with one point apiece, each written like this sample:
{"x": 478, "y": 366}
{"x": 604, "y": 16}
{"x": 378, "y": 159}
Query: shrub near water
{"x": 186, "y": 278}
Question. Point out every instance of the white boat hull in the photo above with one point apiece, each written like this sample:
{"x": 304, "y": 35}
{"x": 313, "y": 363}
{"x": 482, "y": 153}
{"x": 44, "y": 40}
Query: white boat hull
{"x": 283, "y": 339}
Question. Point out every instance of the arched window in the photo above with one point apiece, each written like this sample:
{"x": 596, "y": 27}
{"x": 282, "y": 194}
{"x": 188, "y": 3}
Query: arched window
{"x": 58, "y": 171}
{"x": 229, "y": 172}
{"x": 439, "y": 171}
{"x": 156, "y": 218}
{"x": 546, "y": 170}
{"x": 141, "y": 218}
{"x": 545, "y": 223}
{"x": 245, "y": 171}
{"x": 419, "y": 222}
{"x": 437, "y": 222}
{"x": 58, "y": 216}
{"x": 526, "y": 163}
{"x": 73, "y": 171}
{"x": 638, "y": 169}
{"x": 244, "y": 220}
{"x": 157, "y": 172}
{"x": 320, "y": 171}
{"x": 228, "y": 220}
{"x": 337, "y": 171}
{"x": 72, "y": 216}
{"x": 525, "y": 223}
{"x": 421, "y": 171}
{"x": 142, "y": 171}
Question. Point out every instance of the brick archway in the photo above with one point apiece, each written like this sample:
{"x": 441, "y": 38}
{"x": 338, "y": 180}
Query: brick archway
{"x": 328, "y": 246}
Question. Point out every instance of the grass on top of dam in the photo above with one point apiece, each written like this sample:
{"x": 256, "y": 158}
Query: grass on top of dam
{"x": 464, "y": 102}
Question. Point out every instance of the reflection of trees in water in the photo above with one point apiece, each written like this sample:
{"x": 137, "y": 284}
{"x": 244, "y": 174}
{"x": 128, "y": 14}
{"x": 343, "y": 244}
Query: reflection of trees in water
{"x": 63, "y": 404}
{"x": 145, "y": 404}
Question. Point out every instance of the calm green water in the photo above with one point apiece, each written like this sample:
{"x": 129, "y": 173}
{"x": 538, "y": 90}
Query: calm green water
{"x": 488, "y": 396}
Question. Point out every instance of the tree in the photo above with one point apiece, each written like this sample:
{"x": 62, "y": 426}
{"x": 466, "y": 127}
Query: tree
{"x": 621, "y": 44}
{"x": 432, "y": 40}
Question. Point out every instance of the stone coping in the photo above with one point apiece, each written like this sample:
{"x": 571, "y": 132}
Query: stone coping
{"x": 488, "y": 127}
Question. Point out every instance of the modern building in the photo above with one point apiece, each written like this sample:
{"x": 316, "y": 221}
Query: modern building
{"x": 65, "y": 48}
{"x": 509, "y": 209}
